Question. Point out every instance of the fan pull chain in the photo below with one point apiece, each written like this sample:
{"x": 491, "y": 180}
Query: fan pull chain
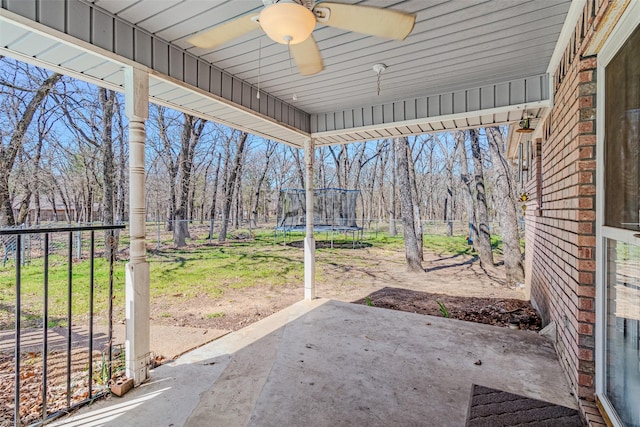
{"x": 259, "y": 61}
{"x": 294, "y": 97}
{"x": 378, "y": 69}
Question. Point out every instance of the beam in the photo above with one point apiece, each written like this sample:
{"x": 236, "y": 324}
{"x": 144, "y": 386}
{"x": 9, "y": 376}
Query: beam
{"x": 440, "y": 123}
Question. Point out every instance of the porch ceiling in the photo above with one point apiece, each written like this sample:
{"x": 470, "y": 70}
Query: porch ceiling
{"x": 467, "y": 63}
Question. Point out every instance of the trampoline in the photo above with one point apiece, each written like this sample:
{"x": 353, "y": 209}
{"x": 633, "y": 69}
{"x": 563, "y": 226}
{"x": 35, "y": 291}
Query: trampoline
{"x": 335, "y": 210}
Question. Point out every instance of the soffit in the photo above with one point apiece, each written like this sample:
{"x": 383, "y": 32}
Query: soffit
{"x": 457, "y": 47}
{"x": 455, "y": 44}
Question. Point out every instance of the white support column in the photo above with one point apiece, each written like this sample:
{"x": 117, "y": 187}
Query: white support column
{"x": 137, "y": 270}
{"x": 309, "y": 241}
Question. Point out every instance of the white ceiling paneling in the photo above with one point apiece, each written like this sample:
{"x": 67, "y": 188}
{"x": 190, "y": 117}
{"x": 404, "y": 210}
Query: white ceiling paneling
{"x": 105, "y": 70}
{"x": 32, "y": 46}
{"x": 115, "y": 6}
{"x": 143, "y": 11}
{"x": 60, "y": 54}
{"x": 450, "y": 39}
{"x": 456, "y": 45}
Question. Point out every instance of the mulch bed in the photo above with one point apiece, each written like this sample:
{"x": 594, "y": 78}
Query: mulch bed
{"x": 512, "y": 313}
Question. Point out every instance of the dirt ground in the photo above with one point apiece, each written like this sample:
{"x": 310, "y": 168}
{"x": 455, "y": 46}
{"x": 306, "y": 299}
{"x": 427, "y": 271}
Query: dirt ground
{"x": 374, "y": 276}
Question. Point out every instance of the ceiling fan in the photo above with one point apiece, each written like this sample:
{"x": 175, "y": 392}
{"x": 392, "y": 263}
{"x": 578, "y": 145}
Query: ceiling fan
{"x": 292, "y": 22}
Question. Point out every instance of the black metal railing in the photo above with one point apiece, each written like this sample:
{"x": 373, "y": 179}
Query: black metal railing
{"x": 17, "y": 237}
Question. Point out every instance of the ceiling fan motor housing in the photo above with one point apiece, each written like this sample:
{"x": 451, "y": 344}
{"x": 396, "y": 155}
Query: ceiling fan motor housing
{"x": 287, "y": 22}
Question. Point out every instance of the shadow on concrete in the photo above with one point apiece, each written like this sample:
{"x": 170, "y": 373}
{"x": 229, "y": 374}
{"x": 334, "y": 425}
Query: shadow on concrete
{"x": 327, "y": 363}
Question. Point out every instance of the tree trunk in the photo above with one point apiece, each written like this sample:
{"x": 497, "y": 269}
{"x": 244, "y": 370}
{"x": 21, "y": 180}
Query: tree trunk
{"x": 393, "y": 231}
{"x": 191, "y": 131}
{"x": 237, "y": 197}
{"x": 122, "y": 171}
{"x": 299, "y": 169}
{"x": 23, "y": 212}
{"x": 204, "y": 191}
{"x": 172, "y": 167}
{"x": 415, "y": 201}
{"x": 180, "y": 228}
{"x": 484, "y": 236}
{"x": 107, "y": 99}
{"x": 504, "y": 184}
{"x": 8, "y": 154}
{"x": 269, "y": 150}
{"x": 465, "y": 178}
{"x": 212, "y": 212}
{"x": 412, "y": 249}
{"x": 229, "y": 184}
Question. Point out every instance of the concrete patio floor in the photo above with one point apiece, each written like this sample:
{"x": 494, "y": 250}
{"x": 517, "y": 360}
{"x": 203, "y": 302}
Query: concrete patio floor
{"x": 329, "y": 363}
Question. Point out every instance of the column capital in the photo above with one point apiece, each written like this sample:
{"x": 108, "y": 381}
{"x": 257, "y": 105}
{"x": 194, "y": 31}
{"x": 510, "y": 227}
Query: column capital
{"x": 136, "y": 89}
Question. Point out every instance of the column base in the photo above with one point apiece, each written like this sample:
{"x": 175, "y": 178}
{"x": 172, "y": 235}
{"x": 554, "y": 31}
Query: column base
{"x": 137, "y": 352}
{"x": 309, "y": 268}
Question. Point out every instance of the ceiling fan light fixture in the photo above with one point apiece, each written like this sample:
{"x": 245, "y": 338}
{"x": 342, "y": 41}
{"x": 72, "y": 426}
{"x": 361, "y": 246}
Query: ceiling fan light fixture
{"x": 287, "y": 22}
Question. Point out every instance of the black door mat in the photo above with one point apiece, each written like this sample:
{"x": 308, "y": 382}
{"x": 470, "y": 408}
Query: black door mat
{"x": 494, "y": 408}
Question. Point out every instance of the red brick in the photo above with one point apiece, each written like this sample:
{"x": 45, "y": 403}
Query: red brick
{"x": 586, "y": 392}
{"x": 585, "y": 303}
{"x": 588, "y": 63}
{"x": 586, "y": 140}
{"x": 587, "y": 190}
{"x": 585, "y": 354}
{"x": 585, "y": 265}
{"x": 586, "y": 215}
{"x": 585, "y": 178}
{"x": 585, "y": 76}
{"x": 586, "y": 316}
{"x": 587, "y": 165}
{"x": 587, "y": 241}
{"x": 585, "y": 101}
{"x": 586, "y": 278}
{"x": 585, "y": 152}
{"x": 585, "y": 127}
{"x": 585, "y": 253}
{"x": 585, "y": 328}
{"x": 585, "y": 203}
{"x": 585, "y": 380}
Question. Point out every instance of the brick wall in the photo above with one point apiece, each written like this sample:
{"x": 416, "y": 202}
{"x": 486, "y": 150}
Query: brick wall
{"x": 560, "y": 238}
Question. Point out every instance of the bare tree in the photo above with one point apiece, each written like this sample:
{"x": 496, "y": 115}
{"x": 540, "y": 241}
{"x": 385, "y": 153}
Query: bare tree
{"x": 484, "y": 236}
{"x": 192, "y": 129}
{"x": 448, "y": 214}
{"x": 229, "y": 182}
{"x": 295, "y": 152}
{"x": 122, "y": 165}
{"x": 270, "y": 148}
{"x": 412, "y": 249}
{"x": 214, "y": 197}
{"x": 9, "y": 152}
{"x": 415, "y": 201}
{"x": 392, "y": 193}
{"x": 465, "y": 179}
{"x": 505, "y": 191}
{"x": 30, "y": 177}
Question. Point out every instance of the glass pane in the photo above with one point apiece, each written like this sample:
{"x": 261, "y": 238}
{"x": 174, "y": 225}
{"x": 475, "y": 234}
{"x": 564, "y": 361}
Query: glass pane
{"x": 622, "y": 137}
{"x": 622, "y": 365}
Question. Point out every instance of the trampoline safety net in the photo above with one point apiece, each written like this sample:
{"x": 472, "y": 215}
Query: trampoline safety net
{"x": 333, "y": 209}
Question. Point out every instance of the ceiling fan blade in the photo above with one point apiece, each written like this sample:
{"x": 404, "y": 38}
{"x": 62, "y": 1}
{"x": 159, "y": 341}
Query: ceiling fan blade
{"x": 369, "y": 20}
{"x": 307, "y": 56}
{"x": 224, "y": 33}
